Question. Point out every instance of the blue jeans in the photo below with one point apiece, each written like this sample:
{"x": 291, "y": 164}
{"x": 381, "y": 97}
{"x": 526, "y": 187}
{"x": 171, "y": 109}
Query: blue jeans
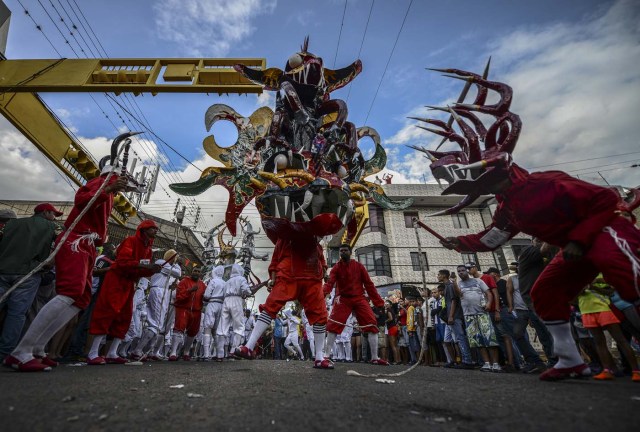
{"x": 519, "y": 330}
{"x": 277, "y": 348}
{"x": 457, "y": 329}
{"x": 414, "y": 346}
{"x": 18, "y": 304}
{"x": 543, "y": 333}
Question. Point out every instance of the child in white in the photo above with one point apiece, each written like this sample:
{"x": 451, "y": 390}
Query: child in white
{"x": 293, "y": 322}
{"x": 214, "y": 296}
{"x": 235, "y": 290}
{"x": 139, "y": 310}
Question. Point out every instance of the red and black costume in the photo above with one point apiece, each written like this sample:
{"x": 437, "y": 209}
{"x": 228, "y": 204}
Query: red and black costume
{"x": 188, "y": 306}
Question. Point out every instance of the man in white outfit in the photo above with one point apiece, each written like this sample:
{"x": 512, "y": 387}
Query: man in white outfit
{"x": 308, "y": 328}
{"x": 214, "y": 296}
{"x": 249, "y": 322}
{"x": 293, "y": 322}
{"x": 139, "y": 310}
{"x": 161, "y": 294}
{"x": 235, "y": 290}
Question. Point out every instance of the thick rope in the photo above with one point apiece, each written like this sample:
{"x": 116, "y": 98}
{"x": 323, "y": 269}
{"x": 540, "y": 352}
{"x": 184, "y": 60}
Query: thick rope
{"x": 65, "y": 236}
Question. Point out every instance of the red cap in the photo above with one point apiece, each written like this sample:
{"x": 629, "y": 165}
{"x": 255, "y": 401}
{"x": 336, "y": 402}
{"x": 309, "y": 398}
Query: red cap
{"x": 47, "y": 207}
{"x": 147, "y": 223}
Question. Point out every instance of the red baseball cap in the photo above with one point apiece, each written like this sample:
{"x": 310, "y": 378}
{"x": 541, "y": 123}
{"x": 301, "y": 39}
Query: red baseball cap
{"x": 47, "y": 207}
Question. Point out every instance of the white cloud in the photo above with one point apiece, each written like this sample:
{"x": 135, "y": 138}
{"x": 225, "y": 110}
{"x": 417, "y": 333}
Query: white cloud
{"x": 208, "y": 28}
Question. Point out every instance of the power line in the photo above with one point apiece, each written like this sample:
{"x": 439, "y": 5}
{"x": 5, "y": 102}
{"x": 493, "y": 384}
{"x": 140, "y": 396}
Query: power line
{"x": 388, "y": 61}
{"x": 585, "y": 160}
{"x": 344, "y": 12}
{"x": 362, "y": 42}
{"x": 39, "y": 28}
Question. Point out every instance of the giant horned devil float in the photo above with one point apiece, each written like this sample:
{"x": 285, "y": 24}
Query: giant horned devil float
{"x": 301, "y": 163}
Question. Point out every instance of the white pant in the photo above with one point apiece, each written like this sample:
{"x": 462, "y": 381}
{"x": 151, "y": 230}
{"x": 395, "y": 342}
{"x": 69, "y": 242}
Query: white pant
{"x": 232, "y": 315}
{"x": 292, "y": 339}
{"x": 212, "y": 315}
{"x": 157, "y": 307}
{"x": 135, "y": 328}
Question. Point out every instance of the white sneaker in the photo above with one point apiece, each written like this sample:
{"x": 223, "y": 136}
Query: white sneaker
{"x": 486, "y": 367}
{"x": 496, "y": 368}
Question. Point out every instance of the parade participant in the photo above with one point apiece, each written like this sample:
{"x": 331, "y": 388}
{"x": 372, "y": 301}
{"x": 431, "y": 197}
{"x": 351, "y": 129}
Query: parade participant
{"x": 235, "y": 290}
{"x": 291, "y": 343}
{"x": 349, "y": 278}
{"x": 214, "y": 296}
{"x": 114, "y": 307}
{"x": 297, "y": 269}
{"x": 590, "y": 223}
{"x": 139, "y": 312}
{"x": 25, "y": 244}
{"x": 74, "y": 265}
{"x": 188, "y": 303}
{"x": 161, "y": 294}
{"x": 249, "y": 322}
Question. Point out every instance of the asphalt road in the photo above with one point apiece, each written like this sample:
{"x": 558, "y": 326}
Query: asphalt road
{"x": 264, "y": 395}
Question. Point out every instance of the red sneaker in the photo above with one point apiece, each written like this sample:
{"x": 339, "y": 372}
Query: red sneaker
{"x": 33, "y": 365}
{"x": 173, "y": 358}
{"x": 47, "y": 361}
{"x": 323, "y": 364}
{"x": 116, "y": 360}
{"x": 244, "y": 352}
{"x": 186, "y": 357}
{"x": 380, "y": 362}
{"x": 557, "y": 374}
{"x": 96, "y": 361}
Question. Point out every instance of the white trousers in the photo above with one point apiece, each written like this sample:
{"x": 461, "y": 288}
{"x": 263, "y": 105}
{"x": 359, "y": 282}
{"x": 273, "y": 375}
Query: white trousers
{"x": 157, "y": 307}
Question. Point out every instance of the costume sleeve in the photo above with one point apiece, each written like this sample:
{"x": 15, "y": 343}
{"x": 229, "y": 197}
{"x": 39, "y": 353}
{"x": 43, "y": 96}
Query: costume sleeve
{"x": 276, "y": 257}
{"x": 328, "y": 286}
{"x": 182, "y": 292}
{"x": 86, "y": 192}
{"x": 323, "y": 262}
{"x": 245, "y": 287}
{"x": 370, "y": 287}
{"x": 492, "y": 237}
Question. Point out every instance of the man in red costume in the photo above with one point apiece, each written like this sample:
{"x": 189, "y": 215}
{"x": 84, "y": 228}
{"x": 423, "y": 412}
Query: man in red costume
{"x": 188, "y": 304}
{"x": 114, "y": 307}
{"x": 74, "y": 266}
{"x": 585, "y": 221}
{"x": 297, "y": 269}
{"x": 349, "y": 277}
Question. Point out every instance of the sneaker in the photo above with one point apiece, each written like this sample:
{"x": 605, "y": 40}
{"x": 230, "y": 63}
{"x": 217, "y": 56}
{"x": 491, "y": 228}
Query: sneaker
{"x": 33, "y": 365}
{"x": 116, "y": 360}
{"x": 96, "y": 361}
{"x": 605, "y": 375}
{"x": 486, "y": 367}
{"x": 244, "y": 352}
{"x": 135, "y": 357}
{"x": 173, "y": 358}
{"x": 186, "y": 357}
{"x": 380, "y": 362}
{"x": 496, "y": 368}
{"x": 534, "y": 368}
{"x": 556, "y": 374}
{"x": 635, "y": 376}
{"x": 323, "y": 364}
{"x": 47, "y": 361}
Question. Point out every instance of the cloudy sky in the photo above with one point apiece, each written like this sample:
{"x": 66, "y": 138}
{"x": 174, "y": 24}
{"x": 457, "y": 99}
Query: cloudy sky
{"x": 573, "y": 66}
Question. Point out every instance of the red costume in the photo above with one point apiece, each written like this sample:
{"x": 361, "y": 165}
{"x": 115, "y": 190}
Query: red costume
{"x": 299, "y": 267}
{"x": 114, "y": 306}
{"x": 188, "y": 306}
{"x": 75, "y": 260}
{"x": 558, "y": 209}
{"x": 349, "y": 278}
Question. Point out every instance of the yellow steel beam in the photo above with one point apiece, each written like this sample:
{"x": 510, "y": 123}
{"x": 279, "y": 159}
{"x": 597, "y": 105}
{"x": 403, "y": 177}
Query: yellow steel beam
{"x": 137, "y": 76}
{"x": 34, "y": 120}
{"x": 361, "y": 216}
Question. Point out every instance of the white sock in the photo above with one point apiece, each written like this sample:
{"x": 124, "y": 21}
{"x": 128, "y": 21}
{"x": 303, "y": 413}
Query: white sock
{"x": 206, "y": 345}
{"x": 95, "y": 346}
{"x": 318, "y": 338}
{"x": 124, "y": 348}
{"x": 262, "y": 323}
{"x": 188, "y": 341}
{"x": 113, "y": 349}
{"x": 221, "y": 341}
{"x": 564, "y": 346}
{"x": 175, "y": 342}
{"x": 372, "y": 338}
{"x": 348, "y": 355}
{"x": 236, "y": 340}
{"x": 446, "y": 353}
{"x": 330, "y": 340}
{"x": 51, "y": 318}
{"x": 158, "y": 345}
{"x": 147, "y": 337}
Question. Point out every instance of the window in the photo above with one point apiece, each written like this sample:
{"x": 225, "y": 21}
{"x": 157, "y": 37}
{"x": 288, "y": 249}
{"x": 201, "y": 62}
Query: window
{"x": 518, "y": 245}
{"x": 333, "y": 256}
{"x": 460, "y": 220}
{"x": 487, "y": 218}
{"x": 375, "y": 259}
{"x": 415, "y": 262}
{"x": 376, "y": 220}
{"x": 501, "y": 261}
{"x": 408, "y": 219}
{"x": 469, "y": 257}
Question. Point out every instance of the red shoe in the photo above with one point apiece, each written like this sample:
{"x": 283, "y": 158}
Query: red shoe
{"x": 173, "y": 358}
{"x": 380, "y": 362}
{"x": 33, "y": 365}
{"x": 244, "y": 352}
{"x": 116, "y": 360}
{"x": 323, "y": 364}
{"x": 155, "y": 358}
{"x": 47, "y": 361}
{"x": 635, "y": 376}
{"x": 186, "y": 358}
{"x": 96, "y": 361}
{"x": 135, "y": 357}
{"x": 557, "y": 374}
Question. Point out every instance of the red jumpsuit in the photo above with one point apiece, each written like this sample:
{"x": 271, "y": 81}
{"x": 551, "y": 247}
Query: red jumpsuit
{"x": 76, "y": 258}
{"x": 349, "y": 279}
{"x": 299, "y": 266}
{"x": 189, "y": 306}
{"x": 114, "y": 306}
{"x": 558, "y": 209}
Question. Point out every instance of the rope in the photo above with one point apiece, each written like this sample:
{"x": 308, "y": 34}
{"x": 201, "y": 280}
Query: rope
{"x": 65, "y": 236}
{"x": 352, "y": 325}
